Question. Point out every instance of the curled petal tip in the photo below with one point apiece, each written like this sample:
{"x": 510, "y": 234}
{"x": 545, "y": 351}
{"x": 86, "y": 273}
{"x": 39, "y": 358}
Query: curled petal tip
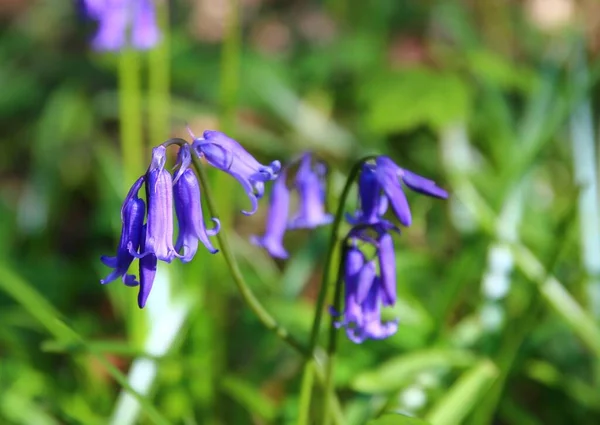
{"x": 216, "y": 229}
{"x": 254, "y": 202}
{"x": 130, "y": 280}
{"x": 109, "y": 261}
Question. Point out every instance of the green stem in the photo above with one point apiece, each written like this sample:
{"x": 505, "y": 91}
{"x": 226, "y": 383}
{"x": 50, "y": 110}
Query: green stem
{"x": 130, "y": 116}
{"x": 308, "y": 376}
{"x": 268, "y": 321}
{"x": 159, "y": 77}
{"x": 230, "y": 68}
{"x": 263, "y": 315}
{"x": 306, "y": 386}
{"x": 329, "y": 387}
{"x": 335, "y": 229}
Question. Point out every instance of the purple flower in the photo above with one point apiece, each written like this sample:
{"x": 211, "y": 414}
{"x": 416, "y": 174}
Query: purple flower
{"x": 117, "y": 17}
{"x": 147, "y": 272}
{"x": 310, "y": 185}
{"x": 132, "y": 218}
{"x": 226, "y": 154}
{"x": 188, "y": 208}
{"x": 159, "y": 195}
{"x": 388, "y": 175}
{"x": 371, "y": 326}
{"x": 272, "y": 240}
{"x": 365, "y": 291}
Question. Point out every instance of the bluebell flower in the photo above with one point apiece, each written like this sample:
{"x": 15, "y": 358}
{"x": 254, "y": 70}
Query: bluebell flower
{"x": 226, "y": 154}
{"x": 132, "y": 219}
{"x": 388, "y": 176}
{"x": 117, "y": 18}
{"x": 276, "y": 225}
{"x": 188, "y": 208}
{"x": 310, "y": 184}
{"x": 371, "y": 326}
{"x": 365, "y": 292}
{"x": 159, "y": 195}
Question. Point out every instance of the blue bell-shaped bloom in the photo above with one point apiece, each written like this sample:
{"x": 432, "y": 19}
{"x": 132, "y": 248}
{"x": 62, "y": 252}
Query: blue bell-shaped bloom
{"x": 277, "y": 215}
{"x": 226, "y": 154}
{"x": 117, "y": 18}
{"x": 132, "y": 218}
{"x": 188, "y": 208}
{"x": 310, "y": 184}
{"x": 159, "y": 195}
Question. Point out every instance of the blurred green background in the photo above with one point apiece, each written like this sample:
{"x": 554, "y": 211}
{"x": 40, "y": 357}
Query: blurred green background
{"x": 499, "y": 286}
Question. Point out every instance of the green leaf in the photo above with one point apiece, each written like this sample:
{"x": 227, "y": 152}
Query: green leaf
{"x": 458, "y": 402}
{"x": 415, "y": 97}
{"x": 249, "y": 397}
{"x": 396, "y": 419}
{"x": 500, "y": 71}
{"x": 395, "y": 373}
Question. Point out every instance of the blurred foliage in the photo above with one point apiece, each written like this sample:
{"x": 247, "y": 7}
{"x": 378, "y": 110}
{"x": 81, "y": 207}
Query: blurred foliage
{"x": 476, "y": 95}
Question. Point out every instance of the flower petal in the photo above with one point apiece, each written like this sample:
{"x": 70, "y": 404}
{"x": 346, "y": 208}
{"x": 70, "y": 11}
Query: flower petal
{"x": 147, "y": 274}
{"x": 365, "y": 281}
{"x": 422, "y": 185}
{"x": 387, "y": 266}
{"x": 396, "y": 197}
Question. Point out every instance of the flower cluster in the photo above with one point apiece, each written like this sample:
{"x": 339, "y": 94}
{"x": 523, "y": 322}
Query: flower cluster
{"x": 122, "y": 23}
{"x": 309, "y": 183}
{"x": 152, "y": 240}
{"x": 366, "y": 291}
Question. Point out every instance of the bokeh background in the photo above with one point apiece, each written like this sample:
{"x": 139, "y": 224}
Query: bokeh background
{"x": 499, "y": 286}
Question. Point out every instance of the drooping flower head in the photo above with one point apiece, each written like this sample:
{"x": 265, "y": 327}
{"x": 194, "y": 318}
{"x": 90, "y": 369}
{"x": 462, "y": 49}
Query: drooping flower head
{"x": 310, "y": 184}
{"x": 388, "y": 175}
{"x": 365, "y": 291}
{"x": 276, "y": 225}
{"x": 153, "y": 240}
{"x": 188, "y": 208}
{"x": 379, "y": 186}
{"x": 228, "y": 155}
{"x": 122, "y": 23}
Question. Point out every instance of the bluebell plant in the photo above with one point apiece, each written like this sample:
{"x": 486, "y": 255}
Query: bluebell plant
{"x": 370, "y": 284}
{"x": 368, "y": 258}
{"x": 309, "y": 184}
{"x": 123, "y": 23}
{"x": 148, "y": 227}
{"x": 365, "y": 292}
